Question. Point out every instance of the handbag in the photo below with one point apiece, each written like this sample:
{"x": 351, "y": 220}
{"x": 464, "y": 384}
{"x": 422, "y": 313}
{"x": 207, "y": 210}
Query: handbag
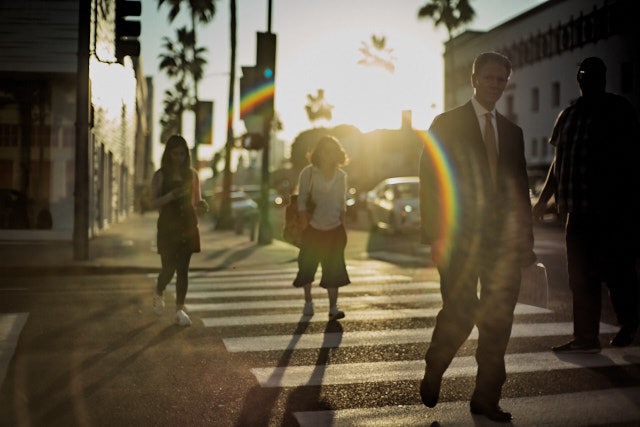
{"x": 292, "y": 231}
{"x": 534, "y": 286}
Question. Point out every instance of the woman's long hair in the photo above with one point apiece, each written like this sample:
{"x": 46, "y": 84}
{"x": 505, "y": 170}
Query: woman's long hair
{"x": 328, "y": 142}
{"x": 166, "y": 165}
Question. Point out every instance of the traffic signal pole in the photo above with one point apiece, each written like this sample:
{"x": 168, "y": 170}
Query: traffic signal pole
{"x": 265, "y": 230}
{"x": 257, "y": 90}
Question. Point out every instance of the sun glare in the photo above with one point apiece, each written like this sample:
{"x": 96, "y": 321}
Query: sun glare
{"x": 368, "y": 97}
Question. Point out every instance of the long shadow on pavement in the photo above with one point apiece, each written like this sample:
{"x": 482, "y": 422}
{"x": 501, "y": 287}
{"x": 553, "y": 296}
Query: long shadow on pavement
{"x": 259, "y": 402}
{"x": 97, "y": 382}
{"x": 308, "y": 396}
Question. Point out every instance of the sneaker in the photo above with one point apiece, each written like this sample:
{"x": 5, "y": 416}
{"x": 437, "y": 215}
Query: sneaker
{"x": 308, "y": 308}
{"x": 335, "y": 314}
{"x": 182, "y": 318}
{"x": 576, "y": 346}
{"x": 158, "y": 303}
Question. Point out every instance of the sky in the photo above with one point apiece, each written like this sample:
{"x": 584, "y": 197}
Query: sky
{"x": 318, "y": 44}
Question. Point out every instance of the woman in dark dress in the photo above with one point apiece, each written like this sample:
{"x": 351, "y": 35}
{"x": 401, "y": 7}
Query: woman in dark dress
{"x": 175, "y": 190}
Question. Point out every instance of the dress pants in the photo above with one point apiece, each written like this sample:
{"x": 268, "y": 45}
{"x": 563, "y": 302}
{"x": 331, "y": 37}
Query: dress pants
{"x": 487, "y": 258}
{"x": 599, "y": 251}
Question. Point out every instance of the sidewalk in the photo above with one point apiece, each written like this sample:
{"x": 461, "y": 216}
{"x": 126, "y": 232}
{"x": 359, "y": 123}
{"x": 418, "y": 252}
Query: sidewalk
{"x": 129, "y": 247}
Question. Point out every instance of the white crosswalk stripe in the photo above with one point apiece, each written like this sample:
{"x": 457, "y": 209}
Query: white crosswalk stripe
{"x": 565, "y": 409}
{"x": 411, "y": 286}
{"x": 205, "y": 283}
{"x": 227, "y": 301}
{"x": 376, "y": 337}
{"x": 11, "y": 325}
{"x": 401, "y": 313}
{"x": 260, "y": 274}
{"x": 346, "y": 301}
{"x": 293, "y": 376}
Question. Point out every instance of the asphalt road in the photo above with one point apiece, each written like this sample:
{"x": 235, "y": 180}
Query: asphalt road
{"x": 89, "y": 352}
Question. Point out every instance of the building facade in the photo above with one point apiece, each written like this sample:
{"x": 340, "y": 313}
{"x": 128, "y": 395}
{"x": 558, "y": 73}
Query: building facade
{"x": 38, "y": 81}
{"x": 546, "y": 44}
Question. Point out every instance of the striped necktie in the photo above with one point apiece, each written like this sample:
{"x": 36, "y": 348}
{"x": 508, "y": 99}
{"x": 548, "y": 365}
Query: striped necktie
{"x": 490, "y": 146}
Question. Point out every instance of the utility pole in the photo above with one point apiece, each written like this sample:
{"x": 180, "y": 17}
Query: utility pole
{"x": 266, "y": 51}
{"x": 257, "y": 92}
{"x": 81, "y": 180}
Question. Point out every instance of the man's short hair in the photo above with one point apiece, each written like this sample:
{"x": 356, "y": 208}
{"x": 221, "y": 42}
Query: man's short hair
{"x": 593, "y": 66}
{"x": 482, "y": 59}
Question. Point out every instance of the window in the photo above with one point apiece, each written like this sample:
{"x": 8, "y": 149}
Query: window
{"x": 555, "y": 94}
{"x": 545, "y": 145}
{"x": 535, "y": 99}
{"x": 534, "y": 147}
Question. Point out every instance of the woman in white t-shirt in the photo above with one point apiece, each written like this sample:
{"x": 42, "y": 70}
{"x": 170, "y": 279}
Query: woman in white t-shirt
{"x": 325, "y": 238}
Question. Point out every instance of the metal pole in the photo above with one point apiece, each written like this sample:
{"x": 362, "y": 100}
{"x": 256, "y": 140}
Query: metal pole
{"x": 265, "y": 232}
{"x": 81, "y": 180}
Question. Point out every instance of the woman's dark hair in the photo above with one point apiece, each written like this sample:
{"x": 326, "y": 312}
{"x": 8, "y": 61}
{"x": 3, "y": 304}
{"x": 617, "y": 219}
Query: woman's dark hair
{"x": 328, "y": 142}
{"x": 176, "y": 141}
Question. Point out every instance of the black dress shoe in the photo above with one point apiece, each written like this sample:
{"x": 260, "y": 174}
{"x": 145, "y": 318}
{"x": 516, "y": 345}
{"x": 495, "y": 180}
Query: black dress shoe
{"x": 576, "y": 346}
{"x": 625, "y": 336}
{"x": 430, "y": 387}
{"x": 493, "y": 412}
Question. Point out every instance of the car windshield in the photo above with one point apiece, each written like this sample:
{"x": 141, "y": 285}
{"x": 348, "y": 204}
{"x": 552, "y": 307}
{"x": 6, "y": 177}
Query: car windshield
{"x": 406, "y": 190}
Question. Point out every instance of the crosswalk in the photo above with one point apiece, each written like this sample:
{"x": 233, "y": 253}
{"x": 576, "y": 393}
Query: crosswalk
{"x": 11, "y": 325}
{"x": 259, "y": 315}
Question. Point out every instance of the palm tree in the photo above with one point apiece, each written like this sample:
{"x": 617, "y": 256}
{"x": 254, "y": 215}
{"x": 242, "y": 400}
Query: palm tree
{"x": 224, "y": 220}
{"x": 171, "y": 119}
{"x": 317, "y": 107}
{"x": 452, "y": 14}
{"x": 201, "y": 11}
{"x": 181, "y": 60}
{"x": 377, "y": 54}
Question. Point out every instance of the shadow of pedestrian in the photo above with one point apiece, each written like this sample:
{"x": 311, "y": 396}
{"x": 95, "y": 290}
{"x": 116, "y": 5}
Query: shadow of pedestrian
{"x": 231, "y": 255}
{"x": 259, "y": 401}
{"x": 80, "y": 371}
{"x": 308, "y": 397}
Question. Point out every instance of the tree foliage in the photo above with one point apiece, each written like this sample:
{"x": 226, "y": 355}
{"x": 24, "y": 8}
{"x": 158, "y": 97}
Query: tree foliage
{"x": 317, "y": 107}
{"x": 183, "y": 61}
{"x": 377, "y": 54}
{"x": 451, "y": 13}
{"x": 200, "y": 10}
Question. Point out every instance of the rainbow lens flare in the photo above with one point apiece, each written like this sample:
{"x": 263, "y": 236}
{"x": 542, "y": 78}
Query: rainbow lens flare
{"x": 447, "y": 190}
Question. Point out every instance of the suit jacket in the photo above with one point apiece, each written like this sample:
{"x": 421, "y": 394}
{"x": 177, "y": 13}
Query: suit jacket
{"x": 503, "y": 209}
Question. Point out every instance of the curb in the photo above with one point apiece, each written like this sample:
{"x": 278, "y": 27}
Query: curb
{"x": 73, "y": 270}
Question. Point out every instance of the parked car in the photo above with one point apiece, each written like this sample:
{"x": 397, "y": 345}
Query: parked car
{"x": 255, "y": 192}
{"x": 394, "y": 204}
{"x": 244, "y": 211}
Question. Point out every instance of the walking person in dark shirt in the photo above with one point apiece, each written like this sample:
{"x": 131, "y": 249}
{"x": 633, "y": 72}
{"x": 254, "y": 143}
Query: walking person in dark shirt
{"x": 595, "y": 179}
{"x": 175, "y": 190}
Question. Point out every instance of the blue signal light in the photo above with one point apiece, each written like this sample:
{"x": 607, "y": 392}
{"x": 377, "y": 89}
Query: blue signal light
{"x": 268, "y": 73}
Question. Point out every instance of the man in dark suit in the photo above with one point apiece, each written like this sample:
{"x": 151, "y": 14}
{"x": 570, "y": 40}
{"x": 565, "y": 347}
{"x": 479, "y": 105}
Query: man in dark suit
{"x": 490, "y": 237}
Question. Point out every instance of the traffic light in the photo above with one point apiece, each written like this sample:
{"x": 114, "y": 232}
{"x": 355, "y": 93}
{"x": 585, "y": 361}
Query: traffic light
{"x": 127, "y": 32}
{"x": 257, "y": 86}
{"x": 266, "y": 55}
